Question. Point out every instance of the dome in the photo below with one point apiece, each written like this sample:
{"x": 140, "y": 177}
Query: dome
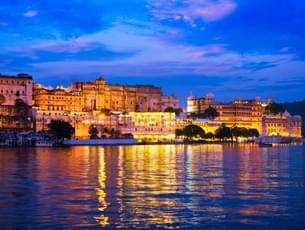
{"x": 287, "y": 114}
{"x": 210, "y": 95}
{"x": 190, "y": 97}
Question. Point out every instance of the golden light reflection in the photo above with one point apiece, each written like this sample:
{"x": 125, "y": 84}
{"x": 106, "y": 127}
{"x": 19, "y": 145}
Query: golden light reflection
{"x": 158, "y": 185}
{"x": 101, "y": 190}
{"x": 150, "y": 173}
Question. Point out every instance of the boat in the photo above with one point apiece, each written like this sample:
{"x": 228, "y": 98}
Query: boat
{"x": 44, "y": 140}
{"x": 276, "y": 140}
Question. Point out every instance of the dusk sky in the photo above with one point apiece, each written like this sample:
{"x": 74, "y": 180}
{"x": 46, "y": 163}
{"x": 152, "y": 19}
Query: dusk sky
{"x": 231, "y": 48}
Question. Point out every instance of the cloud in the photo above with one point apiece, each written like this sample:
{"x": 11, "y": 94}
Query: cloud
{"x": 59, "y": 46}
{"x": 145, "y": 54}
{"x": 190, "y": 10}
{"x": 30, "y": 13}
{"x": 74, "y": 50}
{"x": 203, "y": 42}
{"x": 256, "y": 66}
{"x": 204, "y": 51}
{"x": 142, "y": 53}
{"x": 285, "y": 49}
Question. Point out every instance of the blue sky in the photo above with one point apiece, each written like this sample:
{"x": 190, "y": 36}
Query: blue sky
{"x": 232, "y": 48}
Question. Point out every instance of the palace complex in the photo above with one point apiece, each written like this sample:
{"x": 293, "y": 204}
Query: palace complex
{"x": 127, "y": 109}
{"x": 249, "y": 114}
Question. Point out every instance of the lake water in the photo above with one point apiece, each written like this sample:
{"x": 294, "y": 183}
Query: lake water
{"x": 165, "y": 186}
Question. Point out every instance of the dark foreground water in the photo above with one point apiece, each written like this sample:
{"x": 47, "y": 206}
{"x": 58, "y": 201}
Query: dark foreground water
{"x": 166, "y": 186}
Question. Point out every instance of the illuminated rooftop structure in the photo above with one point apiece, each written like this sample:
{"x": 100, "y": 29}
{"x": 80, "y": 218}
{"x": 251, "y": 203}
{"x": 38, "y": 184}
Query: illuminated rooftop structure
{"x": 99, "y": 95}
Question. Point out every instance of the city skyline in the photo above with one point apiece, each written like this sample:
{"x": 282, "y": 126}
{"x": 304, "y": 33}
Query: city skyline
{"x": 228, "y": 47}
{"x": 184, "y": 114}
{"x": 69, "y": 86}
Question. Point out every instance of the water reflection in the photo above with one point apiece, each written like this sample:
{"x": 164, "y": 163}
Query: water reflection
{"x": 152, "y": 186}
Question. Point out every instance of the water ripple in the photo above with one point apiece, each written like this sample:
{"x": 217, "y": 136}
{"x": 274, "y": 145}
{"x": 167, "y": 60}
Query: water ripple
{"x": 158, "y": 186}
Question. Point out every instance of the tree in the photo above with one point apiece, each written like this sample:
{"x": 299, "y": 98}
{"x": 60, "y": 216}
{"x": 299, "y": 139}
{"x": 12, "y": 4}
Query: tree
{"x": 61, "y": 129}
{"x": 209, "y": 136}
{"x": 22, "y": 108}
{"x": 93, "y": 132}
{"x": 179, "y": 132}
{"x": 211, "y": 113}
{"x": 192, "y": 131}
{"x": 236, "y": 132}
{"x": 243, "y": 132}
{"x": 20, "y": 103}
{"x": 274, "y": 108}
{"x": 173, "y": 110}
{"x": 169, "y": 110}
{"x": 196, "y": 115}
{"x": 252, "y": 133}
{"x": 223, "y": 132}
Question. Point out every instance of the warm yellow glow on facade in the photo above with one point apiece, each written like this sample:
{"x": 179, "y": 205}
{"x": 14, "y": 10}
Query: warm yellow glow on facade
{"x": 282, "y": 125}
{"x": 208, "y": 126}
{"x": 249, "y": 114}
{"x": 98, "y": 95}
{"x": 96, "y": 103}
{"x": 59, "y": 101}
{"x": 149, "y": 126}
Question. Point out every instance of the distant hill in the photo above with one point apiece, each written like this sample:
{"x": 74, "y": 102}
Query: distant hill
{"x": 297, "y": 108}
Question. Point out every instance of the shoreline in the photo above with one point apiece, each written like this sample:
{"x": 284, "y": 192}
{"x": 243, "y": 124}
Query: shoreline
{"x": 155, "y": 143}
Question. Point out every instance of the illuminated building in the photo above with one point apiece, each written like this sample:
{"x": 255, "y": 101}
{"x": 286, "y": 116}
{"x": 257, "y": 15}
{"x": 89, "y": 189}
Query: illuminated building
{"x": 98, "y": 96}
{"x": 68, "y": 105}
{"x": 149, "y": 126}
{"x": 81, "y": 121}
{"x": 208, "y": 126}
{"x": 199, "y": 104}
{"x": 169, "y": 101}
{"x": 282, "y": 125}
{"x": 16, "y": 102}
{"x": 96, "y": 103}
{"x": 58, "y": 104}
{"x": 16, "y": 87}
{"x": 240, "y": 113}
{"x": 58, "y": 101}
{"x": 42, "y": 120}
{"x": 249, "y": 114}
